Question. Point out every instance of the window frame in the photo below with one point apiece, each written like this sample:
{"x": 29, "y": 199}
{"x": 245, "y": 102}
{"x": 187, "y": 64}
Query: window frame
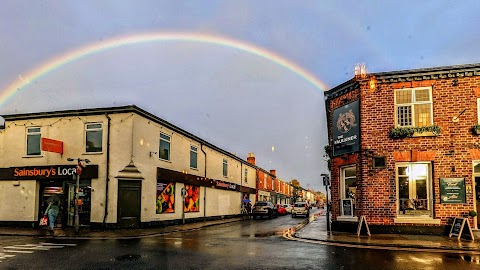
{"x": 412, "y": 192}
{"x": 412, "y": 105}
{"x": 169, "y": 142}
{"x": 87, "y": 130}
{"x": 33, "y": 133}
{"x": 225, "y": 167}
{"x": 194, "y": 151}
{"x": 343, "y": 194}
{"x": 245, "y": 176}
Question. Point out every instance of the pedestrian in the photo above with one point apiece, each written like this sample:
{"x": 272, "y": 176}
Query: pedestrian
{"x": 52, "y": 213}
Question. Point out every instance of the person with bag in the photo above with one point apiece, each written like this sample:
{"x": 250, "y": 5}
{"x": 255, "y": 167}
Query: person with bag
{"x": 52, "y": 213}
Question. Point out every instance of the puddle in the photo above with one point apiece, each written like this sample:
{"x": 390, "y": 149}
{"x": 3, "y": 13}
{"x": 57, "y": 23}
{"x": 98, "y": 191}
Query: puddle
{"x": 468, "y": 258}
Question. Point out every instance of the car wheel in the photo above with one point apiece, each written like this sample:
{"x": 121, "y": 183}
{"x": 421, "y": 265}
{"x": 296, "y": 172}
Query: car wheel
{"x": 254, "y": 217}
{"x": 293, "y": 215}
{"x": 270, "y": 215}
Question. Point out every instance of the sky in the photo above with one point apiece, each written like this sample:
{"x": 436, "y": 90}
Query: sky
{"x": 247, "y": 76}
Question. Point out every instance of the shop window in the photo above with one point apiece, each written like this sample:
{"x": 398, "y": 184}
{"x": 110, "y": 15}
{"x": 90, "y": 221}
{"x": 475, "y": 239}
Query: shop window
{"x": 225, "y": 167}
{"x": 414, "y": 189}
{"x": 164, "y": 151}
{"x": 93, "y": 137}
{"x": 34, "y": 136}
{"x": 413, "y": 107}
{"x": 193, "y": 157}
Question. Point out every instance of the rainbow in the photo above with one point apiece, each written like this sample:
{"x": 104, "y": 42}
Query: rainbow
{"x": 57, "y": 62}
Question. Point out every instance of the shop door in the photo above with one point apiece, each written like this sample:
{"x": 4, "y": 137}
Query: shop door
{"x": 128, "y": 210}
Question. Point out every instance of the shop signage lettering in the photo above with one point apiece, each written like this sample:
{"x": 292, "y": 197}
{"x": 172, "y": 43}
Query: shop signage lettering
{"x": 225, "y": 185}
{"x": 46, "y": 172}
{"x": 17, "y": 172}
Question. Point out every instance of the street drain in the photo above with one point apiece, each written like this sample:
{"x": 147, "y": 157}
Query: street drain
{"x": 129, "y": 257}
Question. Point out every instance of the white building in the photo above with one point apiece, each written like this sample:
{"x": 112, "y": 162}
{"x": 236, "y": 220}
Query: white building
{"x": 139, "y": 165}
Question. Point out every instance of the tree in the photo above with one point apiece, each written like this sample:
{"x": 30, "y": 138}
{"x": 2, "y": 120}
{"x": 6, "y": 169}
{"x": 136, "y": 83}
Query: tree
{"x": 295, "y": 183}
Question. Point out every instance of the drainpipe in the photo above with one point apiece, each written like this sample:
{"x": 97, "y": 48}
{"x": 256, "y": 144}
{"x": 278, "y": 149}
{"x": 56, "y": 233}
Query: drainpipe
{"x": 204, "y": 187}
{"x": 107, "y": 171}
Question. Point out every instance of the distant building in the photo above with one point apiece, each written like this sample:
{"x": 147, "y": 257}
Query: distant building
{"x": 405, "y": 150}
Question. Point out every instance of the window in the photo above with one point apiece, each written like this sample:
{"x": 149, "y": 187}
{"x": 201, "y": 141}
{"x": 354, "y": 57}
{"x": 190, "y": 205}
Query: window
{"x": 93, "y": 137}
{"x": 225, "y": 167}
{"x": 414, "y": 189}
{"x": 478, "y": 110}
{"x": 193, "y": 157}
{"x": 34, "y": 136}
{"x": 265, "y": 181}
{"x": 413, "y": 107}
{"x": 164, "y": 150}
{"x": 348, "y": 182}
{"x": 245, "y": 176}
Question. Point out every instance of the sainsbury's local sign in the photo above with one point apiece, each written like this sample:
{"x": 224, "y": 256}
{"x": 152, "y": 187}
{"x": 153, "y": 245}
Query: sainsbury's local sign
{"x": 46, "y": 172}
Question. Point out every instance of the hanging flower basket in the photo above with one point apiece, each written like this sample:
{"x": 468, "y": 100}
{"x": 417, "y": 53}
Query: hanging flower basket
{"x": 408, "y": 132}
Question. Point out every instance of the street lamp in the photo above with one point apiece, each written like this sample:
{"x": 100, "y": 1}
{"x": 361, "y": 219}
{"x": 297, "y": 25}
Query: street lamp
{"x": 77, "y": 176}
{"x": 326, "y": 183}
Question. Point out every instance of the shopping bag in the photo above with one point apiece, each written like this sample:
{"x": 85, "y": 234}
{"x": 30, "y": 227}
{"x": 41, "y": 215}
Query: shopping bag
{"x": 44, "y": 221}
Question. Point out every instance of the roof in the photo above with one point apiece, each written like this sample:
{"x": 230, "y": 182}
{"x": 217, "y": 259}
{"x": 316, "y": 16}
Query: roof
{"x": 432, "y": 73}
{"x": 117, "y": 110}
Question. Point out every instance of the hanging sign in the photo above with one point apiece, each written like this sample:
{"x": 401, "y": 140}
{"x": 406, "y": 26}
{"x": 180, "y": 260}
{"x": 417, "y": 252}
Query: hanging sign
{"x": 50, "y": 145}
{"x": 346, "y": 129}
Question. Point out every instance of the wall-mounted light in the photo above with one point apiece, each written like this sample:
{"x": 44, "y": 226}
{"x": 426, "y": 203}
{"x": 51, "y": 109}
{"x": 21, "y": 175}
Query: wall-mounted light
{"x": 154, "y": 153}
{"x": 455, "y": 82}
{"x": 372, "y": 84}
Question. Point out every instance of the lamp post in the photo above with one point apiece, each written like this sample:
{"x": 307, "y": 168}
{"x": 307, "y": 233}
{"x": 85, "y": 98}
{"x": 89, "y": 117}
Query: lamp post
{"x": 326, "y": 183}
{"x": 77, "y": 188}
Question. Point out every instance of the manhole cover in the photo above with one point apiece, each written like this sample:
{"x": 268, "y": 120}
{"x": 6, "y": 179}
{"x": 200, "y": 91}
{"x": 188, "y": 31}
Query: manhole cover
{"x": 129, "y": 257}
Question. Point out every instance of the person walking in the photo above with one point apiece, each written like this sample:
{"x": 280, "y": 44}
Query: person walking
{"x": 52, "y": 213}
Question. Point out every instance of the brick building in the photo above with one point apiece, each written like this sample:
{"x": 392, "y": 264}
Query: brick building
{"x": 404, "y": 151}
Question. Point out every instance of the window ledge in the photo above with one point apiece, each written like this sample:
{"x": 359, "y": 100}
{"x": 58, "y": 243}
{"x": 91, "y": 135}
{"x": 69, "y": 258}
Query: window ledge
{"x": 93, "y": 153}
{"x": 33, "y": 156}
{"x": 416, "y": 220}
{"x": 347, "y": 218}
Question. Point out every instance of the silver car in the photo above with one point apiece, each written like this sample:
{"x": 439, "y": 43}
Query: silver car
{"x": 263, "y": 208}
{"x": 300, "y": 208}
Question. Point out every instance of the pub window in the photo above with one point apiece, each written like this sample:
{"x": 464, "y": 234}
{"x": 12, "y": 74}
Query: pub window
{"x": 34, "y": 136}
{"x": 93, "y": 137}
{"x": 348, "y": 182}
{"x": 193, "y": 157}
{"x": 414, "y": 189}
{"x": 225, "y": 167}
{"x": 413, "y": 107}
{"x": 164, "y": 148}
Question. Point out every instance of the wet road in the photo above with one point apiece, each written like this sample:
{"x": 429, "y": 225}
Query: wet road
{"x": 250, "y": 244}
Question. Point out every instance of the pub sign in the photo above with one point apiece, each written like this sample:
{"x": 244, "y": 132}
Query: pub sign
{"x": 346, "y": 129}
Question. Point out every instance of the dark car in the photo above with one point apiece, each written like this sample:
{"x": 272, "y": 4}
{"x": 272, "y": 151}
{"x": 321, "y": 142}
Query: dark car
{"x": 262, "y": 208}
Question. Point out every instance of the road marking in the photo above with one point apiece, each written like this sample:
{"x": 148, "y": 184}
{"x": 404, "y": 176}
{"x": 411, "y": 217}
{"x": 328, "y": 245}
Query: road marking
{"x": 53, "y": 244}
{"x": 30, "y": 248}
{"x": 19, "y": 251}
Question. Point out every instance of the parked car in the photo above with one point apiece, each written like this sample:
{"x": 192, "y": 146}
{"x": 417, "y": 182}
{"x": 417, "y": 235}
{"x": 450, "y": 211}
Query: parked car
{"x": 301, "y": 208}
{"x": 264, "y": 208}
{"x": 288, "y": 207}
{"x": 281, "y": 210}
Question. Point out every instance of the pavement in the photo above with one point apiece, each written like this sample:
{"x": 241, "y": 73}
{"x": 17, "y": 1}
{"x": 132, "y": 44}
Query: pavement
{"x": 313, "y": 229}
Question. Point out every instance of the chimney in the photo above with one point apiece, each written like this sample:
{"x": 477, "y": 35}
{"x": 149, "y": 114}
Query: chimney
{"x": 274, "y": 172}
{"x": 251, "y": 158}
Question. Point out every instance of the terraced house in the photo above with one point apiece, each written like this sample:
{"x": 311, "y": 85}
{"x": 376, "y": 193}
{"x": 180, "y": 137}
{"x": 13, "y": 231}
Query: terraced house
{"x": 405, "y": 150}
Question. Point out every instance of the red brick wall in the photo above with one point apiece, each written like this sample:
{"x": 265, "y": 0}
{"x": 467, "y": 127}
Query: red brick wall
{"x": 451, "y": 152}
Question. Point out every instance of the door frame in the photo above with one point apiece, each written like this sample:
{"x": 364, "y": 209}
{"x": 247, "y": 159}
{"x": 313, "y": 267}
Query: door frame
{"x": 129, "y": 184}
